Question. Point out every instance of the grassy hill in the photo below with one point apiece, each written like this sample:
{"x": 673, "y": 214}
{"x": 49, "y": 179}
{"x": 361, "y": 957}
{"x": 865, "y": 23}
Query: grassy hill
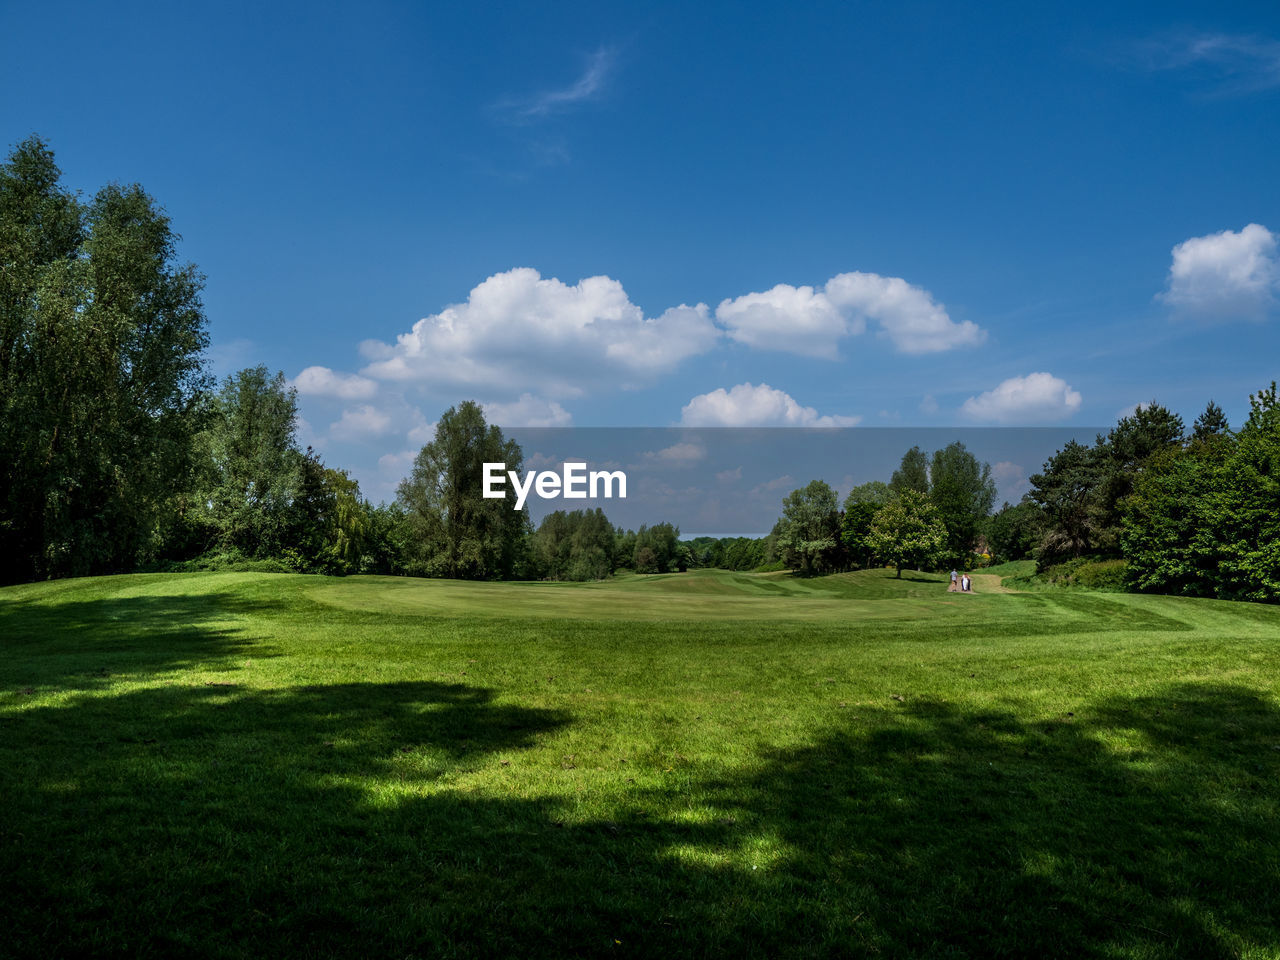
{"x": 711, "y": 763}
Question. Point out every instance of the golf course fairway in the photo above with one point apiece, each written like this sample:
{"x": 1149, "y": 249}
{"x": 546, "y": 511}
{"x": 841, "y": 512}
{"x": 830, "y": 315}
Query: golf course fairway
{"x": 686, "y": 765}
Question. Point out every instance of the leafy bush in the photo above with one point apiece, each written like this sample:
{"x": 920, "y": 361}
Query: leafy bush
{"x": 1086, "y": 572}
{"x": 773, "y": 567}
{"x": 1103, "y": 575}
{"x": 230, "y": 561}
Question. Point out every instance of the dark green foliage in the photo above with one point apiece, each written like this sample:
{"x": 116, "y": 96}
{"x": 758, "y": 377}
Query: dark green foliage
{"x": 101, "y": 334}
{"x": 1251, "y": 569}
{"x": 453, "y": 531}
{"x": 908, "y": 532}
{"x": 343, "y": 534}
{"x": 658, "y": 549}
{"x": 576, "y": 545}
{"x": 257, "y": 497}
{"x": 1123, "y": 455}
{"x": 913, "y": 474}
{"x": 1090, "y": 573}
{"x": 1014, "y": 531}
{"x": 860, "y": 508}
{"x": 1205, "y": 520}
{"x": 1173, "y": 522}
{"x": 808, "y": 532}
{"x": 1068, "y": 494}
{"x": 253, "y": 485}
{"x": 962, "y": 490}
{"x": 1211, "y": 423}
{"x": 1082, "y": 490}
{"x": 386, "y": 542}
{"x": 729, "y": 553}
{"x": 624, "y": 547}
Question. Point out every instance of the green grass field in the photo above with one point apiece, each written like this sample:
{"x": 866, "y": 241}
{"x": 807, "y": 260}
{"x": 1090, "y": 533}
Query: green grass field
{"x": 706, "y": 764}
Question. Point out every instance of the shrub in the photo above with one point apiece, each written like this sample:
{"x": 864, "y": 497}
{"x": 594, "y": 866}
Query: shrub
{"x": 1085, "y": 572}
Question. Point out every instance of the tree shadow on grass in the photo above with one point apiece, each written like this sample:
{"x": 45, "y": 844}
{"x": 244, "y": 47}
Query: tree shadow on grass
{"x": 1144, "y": 825}
{"x": 349, "y": 820}
{"x": 78, "y": 644}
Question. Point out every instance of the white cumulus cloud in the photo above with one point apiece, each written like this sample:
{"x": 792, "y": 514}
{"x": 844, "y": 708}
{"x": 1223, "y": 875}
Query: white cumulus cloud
{"x": 364, "y": 421}
{"x": 748, "y": 405}
{"x": 908, "y": 315}
{"x": 1225, "y": 275}
{"x": 528, "y": 411}
{"x": 518, "y": 331}
{"x": 1031, "y": 399}
{"x": 813, "y": 322}
{"x": 794, "y": 319}
{"x": 323, "y": 382}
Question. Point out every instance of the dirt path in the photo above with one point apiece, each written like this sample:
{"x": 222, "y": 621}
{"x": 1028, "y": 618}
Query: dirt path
{"x": 987, "y": 583}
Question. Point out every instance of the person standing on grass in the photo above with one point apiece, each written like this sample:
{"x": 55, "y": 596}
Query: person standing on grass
{"x": 966, "y": 584}
{"x": 952, "y": 588}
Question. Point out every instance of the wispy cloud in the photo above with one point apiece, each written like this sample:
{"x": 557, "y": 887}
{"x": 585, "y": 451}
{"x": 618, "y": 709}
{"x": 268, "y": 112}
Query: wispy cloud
{"x": 1234, "y": 63}
{"x": 589, "y": 86}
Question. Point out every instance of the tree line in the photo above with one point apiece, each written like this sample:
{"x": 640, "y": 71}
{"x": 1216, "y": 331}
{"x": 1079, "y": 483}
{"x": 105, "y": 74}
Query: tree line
{"x": 1149, "y": 506}
{"x": 930, "y": 513}
{"x": 119, "y": 453}
{"x": 1189, "y": 512}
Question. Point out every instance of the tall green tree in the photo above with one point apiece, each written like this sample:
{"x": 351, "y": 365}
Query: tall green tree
{"x": 1067, "y": 491}
{"x": 1250, "y": 520}
{"x": 808, "y": 530}
{"x": 860, "y": 508}
{"x": 964, "y": 493}
{"x": 574, "y": 545}
{"x": 350, "y": 529}
{"x": 912, "y": 473}
{"x": 101, "y": 337}
{"x": 1122, "y": 455}
{"x": 453, "y": 531}
{"x": 1015, "y": 530}
{"x": 254, "y": 475}
{"x": 1204, "y": 520}
{"x": 907, "y": 531}
{"x": 657, "y": 549}
{"x": 1174, "y": 521}
{"x": 1211, "y": 423}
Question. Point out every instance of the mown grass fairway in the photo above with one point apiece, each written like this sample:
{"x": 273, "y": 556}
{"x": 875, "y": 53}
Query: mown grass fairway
{"x": 248, "y": 765}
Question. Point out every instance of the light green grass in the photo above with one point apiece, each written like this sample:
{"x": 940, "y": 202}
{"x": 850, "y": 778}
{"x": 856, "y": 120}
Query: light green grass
{"x": 1012, "y": 568}
{"x": 714, "y": 763}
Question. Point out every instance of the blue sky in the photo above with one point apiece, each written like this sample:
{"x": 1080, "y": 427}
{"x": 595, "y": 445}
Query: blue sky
{"x": 889, "y": 213}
